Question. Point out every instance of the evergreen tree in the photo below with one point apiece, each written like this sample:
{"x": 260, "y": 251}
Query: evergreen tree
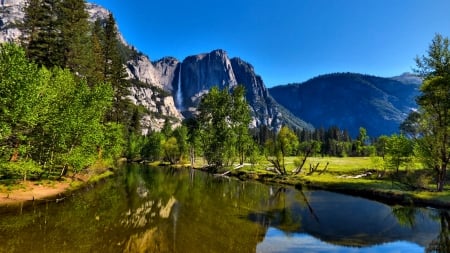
{"x": 114, "y": 72}
{"x": 434, "y": 110}
{"x": 75, "y": 36}
{"x": 42, "y": 33}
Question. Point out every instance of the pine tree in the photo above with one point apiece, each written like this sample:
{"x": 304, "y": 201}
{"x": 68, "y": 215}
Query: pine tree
{"x": 75, "y": 36}
{"x": 114, "y": 71}
{"x": 41, "y": 31}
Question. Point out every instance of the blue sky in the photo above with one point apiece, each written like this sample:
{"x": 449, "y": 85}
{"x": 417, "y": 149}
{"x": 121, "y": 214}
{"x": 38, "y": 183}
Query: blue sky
{"x": 288, "y": 40}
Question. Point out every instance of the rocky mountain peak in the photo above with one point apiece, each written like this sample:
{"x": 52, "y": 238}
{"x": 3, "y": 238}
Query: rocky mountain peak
{"x": 199, "y": 73}
{"x": 157, "y": 83}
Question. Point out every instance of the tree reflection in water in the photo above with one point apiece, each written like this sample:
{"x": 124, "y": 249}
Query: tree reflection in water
{"x": 174, "y": 210}
{"x": 442, "y": 242}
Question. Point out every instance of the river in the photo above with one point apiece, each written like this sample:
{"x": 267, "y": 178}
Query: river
{"x": 148, "y": 209}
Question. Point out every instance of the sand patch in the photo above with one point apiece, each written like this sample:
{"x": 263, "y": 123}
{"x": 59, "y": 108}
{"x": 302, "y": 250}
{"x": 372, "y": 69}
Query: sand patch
{"x": 30, "y": 191}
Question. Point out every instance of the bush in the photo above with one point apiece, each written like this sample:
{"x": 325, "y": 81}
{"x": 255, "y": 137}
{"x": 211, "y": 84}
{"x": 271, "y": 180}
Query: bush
{"x": 22, "y": 168}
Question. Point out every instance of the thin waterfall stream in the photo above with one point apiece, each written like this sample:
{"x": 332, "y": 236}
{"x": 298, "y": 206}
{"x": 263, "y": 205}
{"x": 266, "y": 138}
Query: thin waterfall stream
{"x": 179, "y": 95}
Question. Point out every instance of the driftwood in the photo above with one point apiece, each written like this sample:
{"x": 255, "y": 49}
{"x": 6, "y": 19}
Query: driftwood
{"x": 312, "y": 168}
{"x": 299, "y": 168}
{"x": 366, "y": 174}
{"x": 229, "y": 171}
{"x": 324, "y": 169}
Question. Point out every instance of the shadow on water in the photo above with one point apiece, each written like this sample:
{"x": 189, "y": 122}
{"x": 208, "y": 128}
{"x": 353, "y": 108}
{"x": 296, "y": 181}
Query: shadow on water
{"x": 182, "y": 210}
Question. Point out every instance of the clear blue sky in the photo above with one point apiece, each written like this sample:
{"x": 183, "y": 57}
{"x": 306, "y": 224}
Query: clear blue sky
{"x": 288, "y": 40}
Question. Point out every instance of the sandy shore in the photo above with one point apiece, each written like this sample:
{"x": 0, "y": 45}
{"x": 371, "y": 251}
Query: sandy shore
{"x": 30, "y": 191}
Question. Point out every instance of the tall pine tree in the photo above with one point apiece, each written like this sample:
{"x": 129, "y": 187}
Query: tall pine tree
{"x": 42, "y": 34}
{"x": 114, "y": 71}
{"x": 75, "y": 36}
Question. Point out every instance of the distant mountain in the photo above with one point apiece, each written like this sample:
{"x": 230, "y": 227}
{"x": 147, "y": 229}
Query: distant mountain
{"x": 199, "y": 73}
{"x": 169, "y": 87}
{"x": 350, "y": 101}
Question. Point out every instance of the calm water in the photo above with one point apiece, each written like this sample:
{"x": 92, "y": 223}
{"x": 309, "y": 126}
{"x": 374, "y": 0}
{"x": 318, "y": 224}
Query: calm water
{"x": 165, "y": 210}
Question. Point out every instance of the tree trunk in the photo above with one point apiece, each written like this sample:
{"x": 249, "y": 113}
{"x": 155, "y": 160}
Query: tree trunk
{"x": 441, "y": 177}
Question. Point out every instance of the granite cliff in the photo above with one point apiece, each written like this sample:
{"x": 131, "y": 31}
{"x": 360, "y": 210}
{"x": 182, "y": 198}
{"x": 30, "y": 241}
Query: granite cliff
{"x": 169, "y": 88}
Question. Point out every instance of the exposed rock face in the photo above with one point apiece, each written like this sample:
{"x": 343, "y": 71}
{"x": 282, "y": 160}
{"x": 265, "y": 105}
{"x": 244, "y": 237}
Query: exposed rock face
{"x": 11, "y": 13}
{"x": 154, "y": 76}
{"x": 157, "y": 103}
{"x": 160, "y": 73}
{"x": 157, "y": 83}
{"x": 257, "y": 95}
{"x": 201, "y": 72}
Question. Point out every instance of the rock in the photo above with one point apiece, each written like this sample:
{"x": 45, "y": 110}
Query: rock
{"x": 202, "y": 72}
{"x": 156, "y": 84}
{"x": 12, "y": 14}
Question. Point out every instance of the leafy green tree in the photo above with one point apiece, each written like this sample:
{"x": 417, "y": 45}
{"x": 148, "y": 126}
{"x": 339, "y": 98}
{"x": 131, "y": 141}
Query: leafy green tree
{"x": 193, "y": 138}
{"x": 51, "y": 119}
{"x": 223, "y": 126}
{"x": 181, "y": 135}
{"x": 434, "y": 110}
{"x": 399, "y": 151}
{"x": 136, "y": 143}
{"x": 171, "y": 150}
{"x": 284, "y": 144}
{"x": 214, "y": 111}
{"x": 20, "y": 92}
{"x": 71, "y": 132}
{"x": 240, "y": 118}
{"x": 153, "y": 148}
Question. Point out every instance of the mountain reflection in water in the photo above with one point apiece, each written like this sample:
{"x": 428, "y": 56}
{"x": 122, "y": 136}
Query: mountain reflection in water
{"x": 148, "y": 209}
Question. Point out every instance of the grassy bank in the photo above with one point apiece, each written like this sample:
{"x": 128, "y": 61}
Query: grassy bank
{"x": 357, "y": 176}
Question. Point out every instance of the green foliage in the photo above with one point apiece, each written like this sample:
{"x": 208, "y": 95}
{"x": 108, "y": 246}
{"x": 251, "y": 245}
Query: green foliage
{"x": 135, "y": 145}
{"x": 223, "y": 126}
{"x": 284, "y": 144}
{"x": 20, "y": 93}
{"x": 24, "y": 168}
{"x": 153, "y": 149}
{"x": 42, "y": 34}
{"x": 399, "y": 151}
{"x": 434, "y": 102}
{"x": 50, "y": 118}
{"x": 171, "y": 150}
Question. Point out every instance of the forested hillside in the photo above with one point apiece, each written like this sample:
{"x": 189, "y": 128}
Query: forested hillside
{"x": 350, "y": 101}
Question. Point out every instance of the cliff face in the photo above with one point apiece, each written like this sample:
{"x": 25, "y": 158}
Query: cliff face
{"x": 199, "y": 73}
{"x": 168, "y": 87}
{"x": 154, "y": 77}
{"x": 12, "y": 13}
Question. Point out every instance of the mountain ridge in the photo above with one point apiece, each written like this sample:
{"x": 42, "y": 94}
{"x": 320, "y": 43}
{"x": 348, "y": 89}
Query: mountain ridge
{"x": 169, "y": 88}
{"x": 351, "y": 100}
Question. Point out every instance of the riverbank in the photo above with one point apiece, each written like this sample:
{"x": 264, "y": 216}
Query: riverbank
{"x": 357, "y": 177}
{"x": 20, "y": 192}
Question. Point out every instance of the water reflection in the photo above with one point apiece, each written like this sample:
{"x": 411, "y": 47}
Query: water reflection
{"x": 348, "y": 221}
{"x": 442, "y": 241}
{"x": 277, "y": 241}
{"x": 172, "y": 210}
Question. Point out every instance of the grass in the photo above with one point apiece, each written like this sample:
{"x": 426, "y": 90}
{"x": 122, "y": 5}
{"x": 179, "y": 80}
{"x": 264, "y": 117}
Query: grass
{"x": 412, "y": 185}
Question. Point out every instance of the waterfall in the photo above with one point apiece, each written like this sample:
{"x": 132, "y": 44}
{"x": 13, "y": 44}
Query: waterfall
{"x": 179, "y": 95}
